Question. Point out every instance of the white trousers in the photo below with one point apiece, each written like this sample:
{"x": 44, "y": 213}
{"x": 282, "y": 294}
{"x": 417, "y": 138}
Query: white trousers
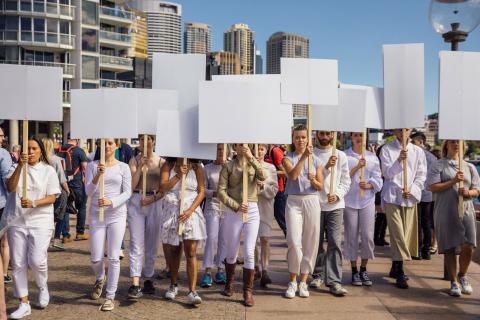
{"x": 144, "y": 226}
{"x": 234, "y": 226}
{"x": 28, "y": 248}
{"x": 215, "y": 242}
{"x": 359, "y": 228}
{"x": 302, "y": 216}
{"x": 113, "y": 232}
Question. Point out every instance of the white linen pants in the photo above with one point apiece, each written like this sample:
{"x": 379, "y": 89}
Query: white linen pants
{"x": 28, "y": 248}
{"x": 144, "y": 226}
{"x": 359, "y": 228}
{"x": 113, "y": 232}
{"x": 302, "y": 217}
{"x": 234, "y": 226}
{"x": 215, "y": 242}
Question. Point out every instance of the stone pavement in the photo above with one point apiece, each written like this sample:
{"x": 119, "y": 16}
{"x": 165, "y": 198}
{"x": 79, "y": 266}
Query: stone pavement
{"x": 71, "y": 279}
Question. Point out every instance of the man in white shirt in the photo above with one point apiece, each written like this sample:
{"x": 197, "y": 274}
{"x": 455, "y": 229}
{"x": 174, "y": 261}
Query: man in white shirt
{"x": 401, "y": 204}
{"x": 328, "y": 267}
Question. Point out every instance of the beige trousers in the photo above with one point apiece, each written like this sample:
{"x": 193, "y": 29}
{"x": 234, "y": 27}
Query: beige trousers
{"x": 403, "y": 228}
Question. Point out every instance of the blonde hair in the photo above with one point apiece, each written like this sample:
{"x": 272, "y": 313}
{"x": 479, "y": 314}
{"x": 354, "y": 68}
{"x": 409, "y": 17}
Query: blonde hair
{"x": 49, "y": 147}
{"x": 445, "y": 148}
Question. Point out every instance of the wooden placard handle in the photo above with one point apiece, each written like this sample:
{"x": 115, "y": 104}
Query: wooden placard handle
{"x": 362, "y": 170}
{"x": 144, "y": 168}
{"x": 461, "y": 151}
{"x": 404, "y": 162}
{"x": 181, "y": 225}
{"x": 245, "y": 183}
{"x": 309, "y": 134}
{"x": 225, "y": 147}
{"x": 24, "y": 150}
{"x": 331, "y": 190}
{"x": 101, "y": 213}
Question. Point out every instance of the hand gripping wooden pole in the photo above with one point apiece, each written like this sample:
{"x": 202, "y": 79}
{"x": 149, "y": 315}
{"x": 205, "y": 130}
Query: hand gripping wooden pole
{"x": 331, "y": 190}
{"x": 101, "y": 213}
{"x": 181, "y": 225}
{"x": 461, "y": 210}
{"x": 144, "y": 168}
{"x": 309, "y": 134}
{"x": 404, "y": 162}
{"x": 362, "y": 170}
{"x": 245, "y": 183}
{"x": 24, "y": 150}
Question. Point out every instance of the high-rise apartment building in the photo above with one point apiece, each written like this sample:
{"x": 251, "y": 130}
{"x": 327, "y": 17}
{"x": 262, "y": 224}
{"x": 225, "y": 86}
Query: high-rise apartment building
{"x": 223, "y": 63}
{"x": 197, "y": 38}
{"x": 258, "y": 62}
{"x": 241, "y": 40}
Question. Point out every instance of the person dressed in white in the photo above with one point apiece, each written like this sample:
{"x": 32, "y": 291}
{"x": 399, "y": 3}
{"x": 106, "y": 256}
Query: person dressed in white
{"x": 214, "y": 211}
{"x": 400, "y": 204}
{"x": 241, "y": 216}
{"x": 190, "y": 219}
{"x": 31, "y": 224}
{"x": 302, "y": 212}
{"x": 266, "y": 197}
{"x": 328, "y": 267}
{"x": 143, "y": 218}
{"x": 117, "y": 191}
{"x": 359, "y": 215}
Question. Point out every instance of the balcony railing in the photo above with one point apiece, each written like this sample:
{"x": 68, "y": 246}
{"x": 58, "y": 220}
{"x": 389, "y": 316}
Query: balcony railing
{"x": 48, "y": 39}
{"x": 68, "y": 68}
{"x": 115, "y": 83}
{"x": 118, "y": 61}
{"x": 38, "y": 7}
{"x": 115, "y": 36}
{"x": 117, "y": 13}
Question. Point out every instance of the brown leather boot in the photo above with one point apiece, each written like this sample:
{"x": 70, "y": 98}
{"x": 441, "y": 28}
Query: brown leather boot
{"x": 230, "y": 271}
{"x": 248, "y": 276}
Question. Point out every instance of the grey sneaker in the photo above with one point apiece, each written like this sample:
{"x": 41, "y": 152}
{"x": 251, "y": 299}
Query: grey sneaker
{"x": 194, "y": 298}
{"x": 291, "y": 290}
{"x": 356, "y": 281}
{"x": 316, "y": 283}
{"x": 171, "y": 292}
{"x": 465, "y": 285}
{"x": 337, "y": 290}
{"x": 455, "y": 290}
{"x": 97, "y": 289}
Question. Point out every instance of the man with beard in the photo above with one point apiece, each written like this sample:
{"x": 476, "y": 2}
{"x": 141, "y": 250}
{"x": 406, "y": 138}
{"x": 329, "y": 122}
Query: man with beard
{"x": 328, "y": 267}
{"x": 401, "y": 204}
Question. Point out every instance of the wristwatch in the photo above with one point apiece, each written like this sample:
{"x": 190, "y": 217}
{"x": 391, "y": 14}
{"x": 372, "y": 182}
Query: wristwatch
{"x": 34, "y": 204}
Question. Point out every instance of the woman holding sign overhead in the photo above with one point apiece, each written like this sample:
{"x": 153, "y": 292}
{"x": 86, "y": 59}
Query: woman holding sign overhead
{"x": 31, "y": 224}
{"x": 455, "y": 230}
{"x": 143, "y": 217}
{"x": 302, "y": 212}
{"x": 111, "y": 229}
{"x": 241, "y": 216}
{"x": 190, "y": 221}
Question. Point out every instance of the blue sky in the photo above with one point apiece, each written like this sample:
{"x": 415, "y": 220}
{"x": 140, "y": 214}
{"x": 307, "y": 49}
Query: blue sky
{"x": 352, "y": 31}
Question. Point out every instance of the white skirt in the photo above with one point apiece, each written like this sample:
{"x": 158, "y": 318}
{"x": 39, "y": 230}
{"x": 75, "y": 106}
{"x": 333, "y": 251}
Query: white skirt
{"x": 194, "y": 228}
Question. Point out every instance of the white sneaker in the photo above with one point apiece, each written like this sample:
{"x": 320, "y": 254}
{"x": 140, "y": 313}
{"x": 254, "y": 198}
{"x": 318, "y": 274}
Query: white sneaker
{"x": 465, "y": 285}
{"x": 316, "y": 283}
{"x": 291, "y": 290}
{"x": 455, "y": 290}
{"x": 194, "y": 298}
{"x": 171, "y": 292}
{"x": 23, "y": 310}
{"x": 43, "y": 298}
{"x": 303, "y": 290}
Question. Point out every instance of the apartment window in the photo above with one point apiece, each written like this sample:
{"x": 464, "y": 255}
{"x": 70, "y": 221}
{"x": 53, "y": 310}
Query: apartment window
{"x": 89, "y": 13}
{"x": 8, "y": 53}
{"x": 11, "y": 5}
{"x": 26, "y": 27}
{"x": 298, "y": 51}
{"x": 26, "y": 5}
{"x": 52, "y": 31}
{"x": 89, "y": 40}
{"x": 86, "y": 85}
{"x": 89, "y": 67}
{"x": 64, "y": 27}
{"x": 39, "y": 6}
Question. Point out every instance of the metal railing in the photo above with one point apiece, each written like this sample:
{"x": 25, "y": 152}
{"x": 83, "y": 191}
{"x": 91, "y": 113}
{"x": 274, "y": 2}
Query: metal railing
{"x": 115, "y": 36}
{"x": 119, "y": 61}
{"x": 117, "y": 13}
{"x": 115, "y": 83}
{"x": 38, "y": 38}
{"x": 39, "y": 7}
{"x": 68, "y": 68}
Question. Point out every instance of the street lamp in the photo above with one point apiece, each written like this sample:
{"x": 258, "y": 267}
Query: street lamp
{"x": 454, "y": 19}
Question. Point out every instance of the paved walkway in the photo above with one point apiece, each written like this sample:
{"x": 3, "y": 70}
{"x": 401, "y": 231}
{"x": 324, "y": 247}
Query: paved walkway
{"x": 71, "y": 279}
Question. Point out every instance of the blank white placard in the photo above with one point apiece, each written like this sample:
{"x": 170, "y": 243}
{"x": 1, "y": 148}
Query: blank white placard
{"x": 177, "y": 135}
{"x": 149, "y": 102}
{"x": 103, "y": 113}
{"x": 373, "y": 106}
{"x": 180, "y": 72}
{"x": 243, "y": 112}
{"x": 348, "y": 116}
{"x": 31, "y": 93}
{"x": 403, "y": 77}
{"x": 309, "y": 81}
{"x": 459, "y": 109}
